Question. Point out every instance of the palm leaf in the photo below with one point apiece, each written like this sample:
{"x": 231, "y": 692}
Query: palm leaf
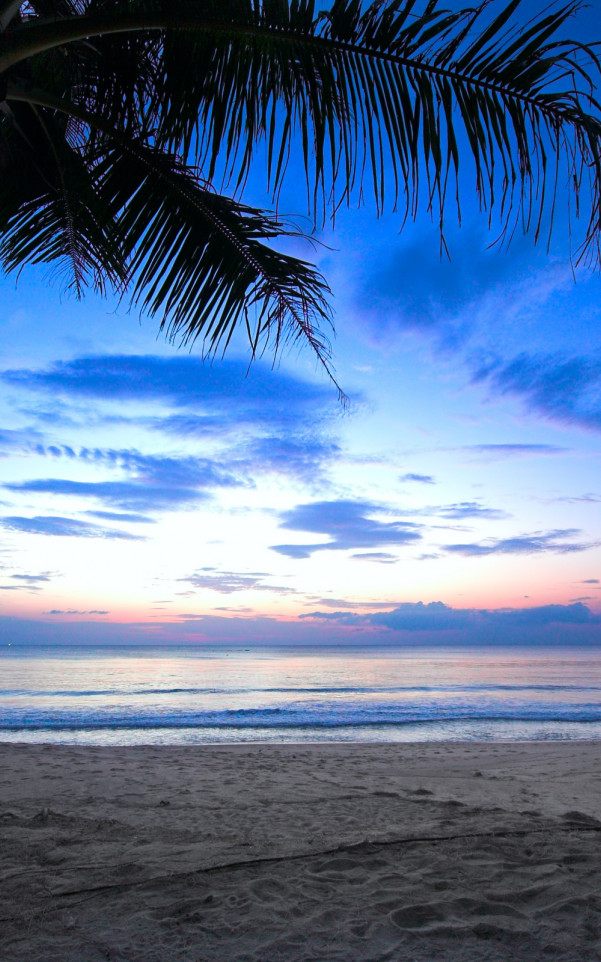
{"x": 392, "y": 88}
{"x": 165, "y": 96}
{"x": 50, "y": 209}
{"x": 233, "y": 72}
{"x": 198, "y": 258}
{"x": 184, "y": 252}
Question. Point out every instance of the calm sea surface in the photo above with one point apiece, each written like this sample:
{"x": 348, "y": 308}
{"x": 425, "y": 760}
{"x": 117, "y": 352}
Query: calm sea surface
{"x": 184, "y": 696}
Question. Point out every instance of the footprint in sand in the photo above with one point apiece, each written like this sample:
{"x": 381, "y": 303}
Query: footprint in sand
{"x": 419, "y": 916}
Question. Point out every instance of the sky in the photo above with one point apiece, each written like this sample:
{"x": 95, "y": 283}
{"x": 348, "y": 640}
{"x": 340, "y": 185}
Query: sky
{"x": 147, "y": 496}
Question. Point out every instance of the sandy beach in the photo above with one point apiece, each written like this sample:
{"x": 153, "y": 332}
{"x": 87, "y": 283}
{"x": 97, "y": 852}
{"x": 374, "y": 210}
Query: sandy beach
{"x": 407, "y": 852}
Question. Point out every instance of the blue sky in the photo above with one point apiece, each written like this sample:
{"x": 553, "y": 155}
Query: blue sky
{"x": 148, "y": 496}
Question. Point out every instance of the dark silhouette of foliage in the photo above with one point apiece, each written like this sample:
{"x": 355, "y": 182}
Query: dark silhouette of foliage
{"x": 120, "y": 119}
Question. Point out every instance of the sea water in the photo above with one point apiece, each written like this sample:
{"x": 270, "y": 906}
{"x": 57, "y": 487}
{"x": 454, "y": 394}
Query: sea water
{"x": 127, "y": 696}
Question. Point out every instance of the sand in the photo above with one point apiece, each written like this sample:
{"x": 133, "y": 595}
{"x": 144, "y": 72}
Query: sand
{"x": 412, "y": 853}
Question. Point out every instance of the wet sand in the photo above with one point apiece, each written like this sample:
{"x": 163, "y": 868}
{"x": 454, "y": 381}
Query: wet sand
{"x": 298, "y": 853}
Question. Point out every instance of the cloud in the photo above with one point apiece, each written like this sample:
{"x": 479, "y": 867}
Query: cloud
{"x": 189, "y": 425}
{"x": 27, "y": 582}
{"x": 228, "y": 582}
{"x": 458, "y": 511}
{"x": 418, "y": 478}
{"x": 479, "y": 291}
{"x": 15, "y": 439}
{"x": 124, "y": 494}
{"x": 299, "y": 551}
{"x": 75, "y": 611}
{"x": 31, "y": 579}
{"x": 157, "y": 482}
{"x": 466, "y": 509}
{"x": 160, "y": 469}
{"x": 416, "y": 287}
{"x": 56, "y": 451}
{"x": 418, "y": 616}
{"x": 63, "y": 527}
{"x": 553, "y": 625}
{"x": 341, "y": 603}
{"x": 122, "y": 516}
{"x": 496, "y": 452}
{"x": 383, "y": 557}
{"x": 437, "y": 616}
{"x": 236, "y": 609}
{"x": 20, "y": 588}
{"x": 561, "y": 389}
{"x": 590, "y": 581}
{"x": 298, "y": 457}
{"x": 226, "y": 392}
{"x": 536, "y": 543}
{"x": 349, "y": 525}
{"x": 276, "y": 421}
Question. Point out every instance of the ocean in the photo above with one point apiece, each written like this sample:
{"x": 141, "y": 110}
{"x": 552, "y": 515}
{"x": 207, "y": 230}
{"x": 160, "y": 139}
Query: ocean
{"x": 127, "y": 696}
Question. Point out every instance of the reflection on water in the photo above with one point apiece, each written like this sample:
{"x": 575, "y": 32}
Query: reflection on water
{"x": 135, "y": 696}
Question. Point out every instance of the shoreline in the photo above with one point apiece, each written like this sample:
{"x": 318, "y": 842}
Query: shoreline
{"x": 460, "y": 731}
{"x": 294, "y": 851}
{"x": 334, "y": 743}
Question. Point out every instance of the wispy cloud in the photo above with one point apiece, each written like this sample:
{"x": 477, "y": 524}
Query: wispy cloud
{"x": 27, "y": 582}
{"x": 414, "y": 286}
{"x": 124, "y": 494}
{"x": 466, "y": 509}
{"x": 381, "y": 557}
{"x": 302, "y": 458}
{"x": 15, "y": 439}
{"x": 225, "y": 392}
{"x": 122, "y": 516}
{"x": 349, "y": 524}
{"x": 229, "y": 582}
{"x": 20, "y": 588}
{"x": 264, "y": 421}
{"x": 157, "y": 482}
{"x": 75, "y": 611}
{"x": 63, "y": 527}
{"x": 32, "y": 579}
{"x": 418, "y": 478}
{"x": 582, "y": 499}
{"x": 562, "y": 389}
{"x": 535, "y": 543}
{"x": 440, "y": 288}
{"x": 236, "y": 609}
{"x": 162, "y": 469}
{"x": 341, "y": 603}
{"x": 497, "y": 452}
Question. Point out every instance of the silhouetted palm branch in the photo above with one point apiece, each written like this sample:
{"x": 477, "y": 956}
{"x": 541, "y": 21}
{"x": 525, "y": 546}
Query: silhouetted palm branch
{"x": 142, "y": 105}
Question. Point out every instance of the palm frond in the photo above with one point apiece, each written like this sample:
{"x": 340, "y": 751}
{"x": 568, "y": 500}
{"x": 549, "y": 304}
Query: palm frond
{"x": 396, "y": 91}
{"x": 182, "y": 251}
{"x": 198, "y": 258}
{"x": 368, "y": 81}
{"x": 50, "y": 209}
{"x": 159, "y": 98}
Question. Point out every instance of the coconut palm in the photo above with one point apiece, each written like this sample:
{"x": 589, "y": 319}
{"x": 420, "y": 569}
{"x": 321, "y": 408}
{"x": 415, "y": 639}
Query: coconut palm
{"x": 128, "y": 129}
